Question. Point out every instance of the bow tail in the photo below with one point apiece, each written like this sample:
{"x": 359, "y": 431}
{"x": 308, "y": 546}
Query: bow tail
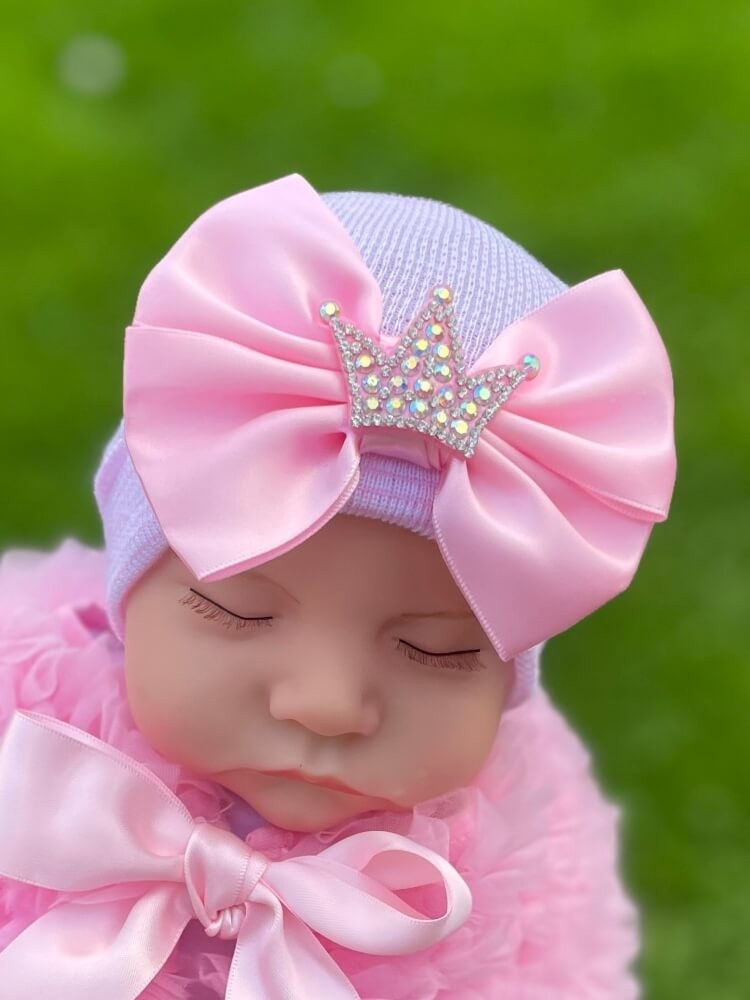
{"x": 277, "y": 956}
{"x": 102, "y": 944}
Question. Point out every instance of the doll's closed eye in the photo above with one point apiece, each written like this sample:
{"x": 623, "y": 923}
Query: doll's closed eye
{"x": 459, "y": 660}
{"x": 211, "y": 610}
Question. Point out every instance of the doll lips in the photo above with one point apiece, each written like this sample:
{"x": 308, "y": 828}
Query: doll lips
{"x": 334, "y": 783}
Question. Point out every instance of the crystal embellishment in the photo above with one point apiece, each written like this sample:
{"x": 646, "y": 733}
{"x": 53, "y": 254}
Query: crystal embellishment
{"x": 429, "y": 390}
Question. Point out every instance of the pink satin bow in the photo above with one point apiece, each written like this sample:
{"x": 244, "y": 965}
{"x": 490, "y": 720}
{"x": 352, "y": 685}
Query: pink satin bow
{"x": 237, "y": 419}
{"x": 81, "y": 817}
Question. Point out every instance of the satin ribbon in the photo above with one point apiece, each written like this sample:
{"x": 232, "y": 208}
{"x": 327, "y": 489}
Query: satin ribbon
{"x": 236, "y": 415}
{"x": 81, "y": 817}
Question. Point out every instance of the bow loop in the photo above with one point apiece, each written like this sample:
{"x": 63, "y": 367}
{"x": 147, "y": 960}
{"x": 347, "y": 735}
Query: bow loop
{"x": 252, "y": 269}
{"x": 600, "y": 412}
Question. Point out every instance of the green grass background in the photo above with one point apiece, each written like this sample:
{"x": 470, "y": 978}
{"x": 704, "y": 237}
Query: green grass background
{"x": 596, "y": 135}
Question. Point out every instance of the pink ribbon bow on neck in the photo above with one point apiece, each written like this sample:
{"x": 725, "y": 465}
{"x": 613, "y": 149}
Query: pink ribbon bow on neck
{"x": 237, "y": 418}
{"x": 81, "y": 817}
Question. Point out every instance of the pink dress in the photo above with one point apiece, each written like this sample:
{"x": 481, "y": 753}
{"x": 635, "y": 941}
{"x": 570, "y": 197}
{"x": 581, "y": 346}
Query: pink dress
{"x": 533, "y": 836}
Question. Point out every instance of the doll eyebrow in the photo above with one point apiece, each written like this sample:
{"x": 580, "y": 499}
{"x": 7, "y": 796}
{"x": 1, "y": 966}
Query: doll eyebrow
{"x": 408, "y": 616}
{"x": 267, "y": 579}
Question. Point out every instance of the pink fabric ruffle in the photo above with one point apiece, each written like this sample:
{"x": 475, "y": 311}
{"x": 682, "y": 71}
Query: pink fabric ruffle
{"x": 533, "y": 835}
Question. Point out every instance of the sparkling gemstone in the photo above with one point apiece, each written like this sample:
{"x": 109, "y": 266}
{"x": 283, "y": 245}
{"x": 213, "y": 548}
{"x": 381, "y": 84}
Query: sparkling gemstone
{"x": 440, "y": 417}
{"x": 371, "y": 383}
{"x": 409, "y": 364}
{"x": 469, "y": 409}
{"x": 445, "y": 396}
{"x": 365, "y": 361}
{"x": 459, "y": 426}
{"x": 441, "y": 351}
{"x": 442, "y": 294}
{"x": 442, "y": 372}
{"x": 423, "y": 387}
{"x": 531, "y": 364}
{"x": 418, "y": 407}
{"x": 395, "y": 405}
{"x": 434, "y": 331}
{"x": 420, "y": 346}
{"x": 398, "y": 383}
{"x": 482, "y": 393}
{"x": 372, "y": 403}
{"x": 329, "y": 309}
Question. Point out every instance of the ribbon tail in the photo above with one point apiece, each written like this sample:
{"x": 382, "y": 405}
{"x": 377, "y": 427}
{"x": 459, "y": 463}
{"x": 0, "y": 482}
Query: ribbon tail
{"x": 102, "y": 944}
{"x": 278, "y": 957}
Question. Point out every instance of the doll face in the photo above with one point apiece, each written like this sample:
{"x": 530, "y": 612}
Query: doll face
{"x": 353, "y": 657}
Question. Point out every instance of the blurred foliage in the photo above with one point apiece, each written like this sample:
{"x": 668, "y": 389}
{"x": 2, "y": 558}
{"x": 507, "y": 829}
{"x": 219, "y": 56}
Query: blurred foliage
{"x": 597, "y": 136}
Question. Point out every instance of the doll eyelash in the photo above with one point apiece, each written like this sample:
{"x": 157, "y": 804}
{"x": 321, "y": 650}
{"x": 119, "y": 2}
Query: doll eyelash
{"x": 444, "y": 660}
{"x": 212, "y": 611}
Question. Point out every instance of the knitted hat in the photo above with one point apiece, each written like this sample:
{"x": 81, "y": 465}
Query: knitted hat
{"x": 408, "y": 243}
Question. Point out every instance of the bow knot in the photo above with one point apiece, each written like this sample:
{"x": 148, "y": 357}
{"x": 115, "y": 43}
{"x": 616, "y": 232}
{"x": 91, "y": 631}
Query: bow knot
{"x": 221, "y": 873}
{"x": 408, "y": 445}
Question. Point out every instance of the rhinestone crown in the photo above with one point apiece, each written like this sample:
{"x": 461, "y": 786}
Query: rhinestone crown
{"x": 423, "y": 384}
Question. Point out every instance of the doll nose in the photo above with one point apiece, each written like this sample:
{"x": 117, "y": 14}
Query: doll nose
{"x": 326, "y": 699}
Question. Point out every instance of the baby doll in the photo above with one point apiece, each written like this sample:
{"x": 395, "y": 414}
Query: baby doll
{"x": 284, "y": 736}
